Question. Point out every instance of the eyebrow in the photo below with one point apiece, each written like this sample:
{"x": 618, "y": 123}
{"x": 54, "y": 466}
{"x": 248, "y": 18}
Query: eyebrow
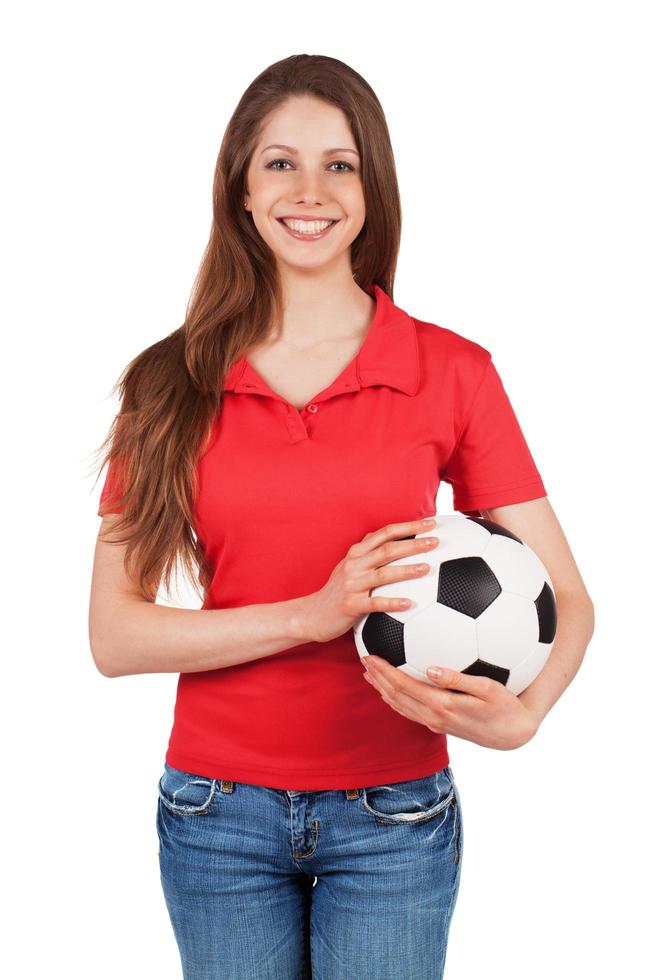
{"x": 293, "y": 149}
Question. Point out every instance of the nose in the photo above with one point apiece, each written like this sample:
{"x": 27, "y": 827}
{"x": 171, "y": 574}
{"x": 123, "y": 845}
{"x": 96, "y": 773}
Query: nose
{"x": 308, "y": 197}
{"x": 309, "y": 190}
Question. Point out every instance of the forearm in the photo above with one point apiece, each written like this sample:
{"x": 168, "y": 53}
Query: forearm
{"x": 145, "y": 637}
{"x": 574, "y": 629}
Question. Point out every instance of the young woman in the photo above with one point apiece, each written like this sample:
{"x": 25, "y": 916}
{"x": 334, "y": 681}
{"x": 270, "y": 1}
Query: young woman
{"x": 285, "y": 444}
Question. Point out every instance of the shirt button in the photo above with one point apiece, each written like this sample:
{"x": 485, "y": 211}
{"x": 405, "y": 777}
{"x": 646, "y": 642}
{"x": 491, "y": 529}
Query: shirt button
{"x": 312, "y": 408}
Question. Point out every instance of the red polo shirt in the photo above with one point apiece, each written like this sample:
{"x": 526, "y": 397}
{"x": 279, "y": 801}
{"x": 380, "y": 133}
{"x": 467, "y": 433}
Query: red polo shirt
{"x": 284, "y": 493}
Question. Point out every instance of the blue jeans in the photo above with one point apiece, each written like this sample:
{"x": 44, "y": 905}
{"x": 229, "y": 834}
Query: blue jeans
{"x": 271, "y": 884}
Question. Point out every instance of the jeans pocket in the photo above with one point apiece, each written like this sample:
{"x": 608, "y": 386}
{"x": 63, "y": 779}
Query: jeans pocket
{"x": 185, "y": 793}
{"x": 412, "y": 801}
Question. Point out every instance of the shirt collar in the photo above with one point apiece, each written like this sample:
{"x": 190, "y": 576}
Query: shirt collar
{"x": 389, "y": 356}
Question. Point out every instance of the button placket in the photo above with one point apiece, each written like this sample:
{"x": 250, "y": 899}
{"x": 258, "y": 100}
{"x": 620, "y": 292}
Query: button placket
{"x": 296, "y": 428}
{"x": 296, "y": 420}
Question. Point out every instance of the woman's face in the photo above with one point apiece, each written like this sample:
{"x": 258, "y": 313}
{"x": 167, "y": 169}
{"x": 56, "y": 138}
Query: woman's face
{"x": 306, "y": 165}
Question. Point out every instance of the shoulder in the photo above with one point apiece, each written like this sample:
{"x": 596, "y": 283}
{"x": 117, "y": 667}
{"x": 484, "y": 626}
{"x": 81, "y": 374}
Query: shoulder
{"x": 442, "y": 349}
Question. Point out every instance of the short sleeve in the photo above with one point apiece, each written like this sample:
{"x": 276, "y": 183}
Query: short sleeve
{"x": 491, "y": 464}
{"x": 111, "y": 491}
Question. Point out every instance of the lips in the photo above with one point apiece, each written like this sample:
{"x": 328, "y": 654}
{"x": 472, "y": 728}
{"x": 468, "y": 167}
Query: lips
{"x": 302, "y": 236}
{"x": 304, "y": 217}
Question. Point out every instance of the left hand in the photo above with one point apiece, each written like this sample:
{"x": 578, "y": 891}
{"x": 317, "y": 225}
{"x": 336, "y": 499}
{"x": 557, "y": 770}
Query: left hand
{"x": 475, "y": 708}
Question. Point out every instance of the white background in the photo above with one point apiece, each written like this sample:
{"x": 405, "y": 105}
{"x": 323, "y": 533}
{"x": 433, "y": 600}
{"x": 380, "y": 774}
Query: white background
{"x": 523, "y": 138}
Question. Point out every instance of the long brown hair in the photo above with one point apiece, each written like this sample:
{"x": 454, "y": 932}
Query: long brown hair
{"x": 170, "y": 394}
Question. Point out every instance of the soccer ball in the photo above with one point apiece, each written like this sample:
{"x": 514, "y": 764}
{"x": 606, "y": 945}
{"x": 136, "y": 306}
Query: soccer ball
{"x": 486, "y": 607}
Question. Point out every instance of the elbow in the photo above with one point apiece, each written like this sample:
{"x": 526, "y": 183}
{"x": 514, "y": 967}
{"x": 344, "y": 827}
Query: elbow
{"x": 103, "y": 661}
{"x": 590, "y": 611}
{"x": 580, "y": 607}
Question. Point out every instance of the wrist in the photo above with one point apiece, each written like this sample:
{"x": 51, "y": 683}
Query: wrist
{"x": 300, "y": 619}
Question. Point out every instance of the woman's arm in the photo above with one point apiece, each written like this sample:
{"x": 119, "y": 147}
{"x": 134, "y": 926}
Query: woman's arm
{"x": 574, "y": 629}
{"x": 535, "y": 523}
{"x": 129, "y": 634}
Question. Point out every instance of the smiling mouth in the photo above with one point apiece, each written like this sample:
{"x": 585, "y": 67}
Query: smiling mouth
{"x": 307, "y": 230}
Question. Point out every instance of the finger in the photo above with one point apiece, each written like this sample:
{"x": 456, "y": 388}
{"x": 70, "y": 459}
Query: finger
{"x": 394, "y": 532}
{"x": 456, "y": 680}
{"x": 394, "y": 679}
{"x": 406, "y": 705}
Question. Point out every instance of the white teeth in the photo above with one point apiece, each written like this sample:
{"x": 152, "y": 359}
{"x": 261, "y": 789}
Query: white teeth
{"x": 307, "y": 227}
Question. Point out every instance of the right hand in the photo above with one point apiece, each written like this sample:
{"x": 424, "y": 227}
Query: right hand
{"x": 345, "y": 597}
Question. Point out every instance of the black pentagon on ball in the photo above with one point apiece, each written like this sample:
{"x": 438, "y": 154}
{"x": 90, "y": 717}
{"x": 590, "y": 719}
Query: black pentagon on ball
{"x": 481, "y": 668}
{"x": 383, "y": 637}
{"x": 495, "y": 528}
{"x": 467, "y": 585}
{"x": 546, "y": 610}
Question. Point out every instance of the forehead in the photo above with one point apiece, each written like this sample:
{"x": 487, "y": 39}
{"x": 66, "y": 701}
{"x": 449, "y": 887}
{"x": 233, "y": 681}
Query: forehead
{"x": 306, "y": 123}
